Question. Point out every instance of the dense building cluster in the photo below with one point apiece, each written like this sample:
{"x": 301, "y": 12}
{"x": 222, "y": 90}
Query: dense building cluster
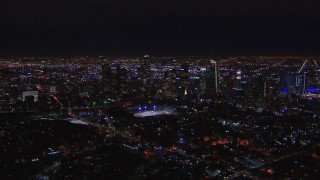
{"x": 158, "y": 79}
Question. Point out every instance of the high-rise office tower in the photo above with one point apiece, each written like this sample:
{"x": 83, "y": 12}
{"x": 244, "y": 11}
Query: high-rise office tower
{"x": 287, "y": 82}
{"x": 114, "y": 79}
{"x": 300, "y": 83}
{"x": 212, "y": 79}
{"x": 203, "y": 80}
{"x": 237, "y": 81}
{"x": 183, "y": 81}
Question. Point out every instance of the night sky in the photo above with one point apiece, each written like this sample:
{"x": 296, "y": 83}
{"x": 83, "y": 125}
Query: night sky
{"x": 159, "y": 27}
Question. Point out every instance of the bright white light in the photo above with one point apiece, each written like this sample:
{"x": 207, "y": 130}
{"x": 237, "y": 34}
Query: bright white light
{"x": 78, "y": 122}
{"x": 153, "y": 113}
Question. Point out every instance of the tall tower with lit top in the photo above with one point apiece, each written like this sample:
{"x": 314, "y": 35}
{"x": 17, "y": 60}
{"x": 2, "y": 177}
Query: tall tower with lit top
{"x": 212, "y": 79}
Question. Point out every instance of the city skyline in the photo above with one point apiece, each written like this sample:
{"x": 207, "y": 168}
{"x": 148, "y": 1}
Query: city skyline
{"x": 160, "y": 117}
{"x": 159, "y": 89}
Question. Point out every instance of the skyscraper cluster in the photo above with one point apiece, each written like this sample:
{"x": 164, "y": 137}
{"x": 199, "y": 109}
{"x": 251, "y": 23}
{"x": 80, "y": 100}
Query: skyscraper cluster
{"x": 162, "y": 80}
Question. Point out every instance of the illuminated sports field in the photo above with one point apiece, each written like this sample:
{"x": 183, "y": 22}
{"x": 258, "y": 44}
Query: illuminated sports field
{"x": 154, "y": 113}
